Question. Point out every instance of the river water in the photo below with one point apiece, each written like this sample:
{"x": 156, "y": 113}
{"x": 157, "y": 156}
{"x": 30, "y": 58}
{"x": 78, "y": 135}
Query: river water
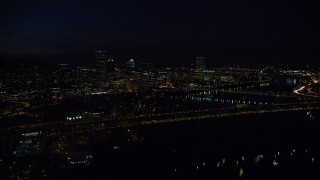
{"x": 275, "y": 145}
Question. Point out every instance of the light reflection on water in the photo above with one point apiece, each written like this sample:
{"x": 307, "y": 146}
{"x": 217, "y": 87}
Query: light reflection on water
{"x": 246, "y": 146}
{"x": 284, "y": 156}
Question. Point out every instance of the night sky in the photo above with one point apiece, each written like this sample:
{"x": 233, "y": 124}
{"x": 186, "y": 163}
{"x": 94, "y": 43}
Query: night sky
{"x": 162, "y": 32}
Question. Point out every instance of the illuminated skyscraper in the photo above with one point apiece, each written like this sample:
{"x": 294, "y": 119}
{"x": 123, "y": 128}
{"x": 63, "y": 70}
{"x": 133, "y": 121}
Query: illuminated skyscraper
{"x": 130, "y": 63}
{"x": 102, "y": 58}
{"x": 110, "y": 65}
{"x": 201, "y": 63}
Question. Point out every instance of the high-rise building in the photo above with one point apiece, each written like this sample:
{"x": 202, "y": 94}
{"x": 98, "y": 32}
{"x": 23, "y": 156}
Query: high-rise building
{"x": 111, "y": 65}
{"x": 130, "y": 63}
{"x": 201, "y": 63}
{"x": 102, "y": 58}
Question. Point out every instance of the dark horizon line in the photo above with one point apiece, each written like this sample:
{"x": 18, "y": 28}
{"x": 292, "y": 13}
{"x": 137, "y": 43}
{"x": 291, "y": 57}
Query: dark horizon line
{"x": 18, "y": 62}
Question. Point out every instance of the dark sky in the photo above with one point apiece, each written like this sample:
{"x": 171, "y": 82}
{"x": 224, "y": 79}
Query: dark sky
{"x": 166, "y": 31}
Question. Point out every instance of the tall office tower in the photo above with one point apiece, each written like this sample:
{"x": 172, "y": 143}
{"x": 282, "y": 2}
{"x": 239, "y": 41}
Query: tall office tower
{"x": 102, "y": 58}
{"x": 110, "y": 66}
{"x": 201, "y": 63}
{"x": 130, "y": 63}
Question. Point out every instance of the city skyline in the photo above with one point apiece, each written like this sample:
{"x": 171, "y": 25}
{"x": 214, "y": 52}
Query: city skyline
{"x": 185, "y": 89}
{"x": 113, "y": 120}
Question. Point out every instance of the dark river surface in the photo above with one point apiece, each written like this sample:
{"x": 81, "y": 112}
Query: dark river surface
{"x": 276, "y": 145}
